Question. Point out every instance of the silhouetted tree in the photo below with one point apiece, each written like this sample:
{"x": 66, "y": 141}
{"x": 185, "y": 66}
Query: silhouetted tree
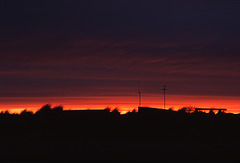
{"x": 2, "y": 112}
{"x": 171, "y": 109}
{"x": 46, "y": 109}
{"x": 6, "y": 113}
{"x": 26, "y": 113}
{"x": 58, "y": 109}
{"x": 108, "y": 109}
{"x": 115, "y": 112}
{"x": 187, "y": 109}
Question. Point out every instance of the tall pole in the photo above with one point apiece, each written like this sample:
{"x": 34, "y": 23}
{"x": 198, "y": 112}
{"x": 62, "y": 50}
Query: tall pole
{"x": 164, "y": 100}
{"x": 139, "y": 96}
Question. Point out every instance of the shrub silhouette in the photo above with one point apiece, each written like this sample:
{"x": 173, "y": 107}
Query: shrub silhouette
{"x": 187, "y": 109}
{"x": 26, "y": 113}
{"x": 46, "y": 109}
{"x": 6, "y": 113}
{"x": 171, "y": 109}
{"x": 58, "y": 109}
{"x": 108, "y": 109}
{"x": 115, "y": 112}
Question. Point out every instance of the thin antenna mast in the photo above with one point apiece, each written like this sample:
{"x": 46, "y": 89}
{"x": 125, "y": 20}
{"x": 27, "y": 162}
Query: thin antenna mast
{"x": 139, "y": 96}
{"x": 164, "y": 100}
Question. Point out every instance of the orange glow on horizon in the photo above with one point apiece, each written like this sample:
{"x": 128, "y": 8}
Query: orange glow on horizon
{"x": 123, "y": 103}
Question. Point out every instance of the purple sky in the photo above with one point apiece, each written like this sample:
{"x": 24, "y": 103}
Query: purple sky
{"x": 70, "y": 48}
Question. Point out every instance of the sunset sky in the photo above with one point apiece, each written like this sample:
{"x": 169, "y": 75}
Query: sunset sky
{"x": 90, "y": 54}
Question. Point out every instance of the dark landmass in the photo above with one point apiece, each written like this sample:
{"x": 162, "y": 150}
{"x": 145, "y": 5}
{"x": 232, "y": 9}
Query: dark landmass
{"x": 101, "y": 135}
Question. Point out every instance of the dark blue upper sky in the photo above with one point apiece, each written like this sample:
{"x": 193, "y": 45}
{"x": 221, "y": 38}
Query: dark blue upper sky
{"x": 143, "y": 18}
{"x": 90, "y": 47}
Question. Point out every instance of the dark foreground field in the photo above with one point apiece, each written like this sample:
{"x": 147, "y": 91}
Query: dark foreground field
{"x": 108, "y": 136}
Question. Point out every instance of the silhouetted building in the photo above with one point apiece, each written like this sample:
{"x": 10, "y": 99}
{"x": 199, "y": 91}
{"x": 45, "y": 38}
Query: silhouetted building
{"x": 148, "y": 110}
{"x": 86, "y": 113}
